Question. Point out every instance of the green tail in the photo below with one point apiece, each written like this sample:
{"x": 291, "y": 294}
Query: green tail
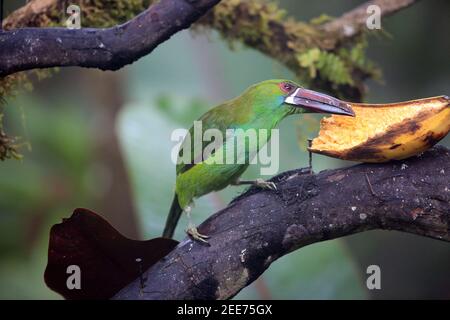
{"x": 172, "y": 218}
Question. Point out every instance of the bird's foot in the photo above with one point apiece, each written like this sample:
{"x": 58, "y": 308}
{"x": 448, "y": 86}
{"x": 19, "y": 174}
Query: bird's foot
{"x": 260, "y": 183}
{"x": 194, "y": 234}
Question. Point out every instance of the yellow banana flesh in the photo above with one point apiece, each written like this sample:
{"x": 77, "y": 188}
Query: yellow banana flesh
{"x": 383, "y": 132}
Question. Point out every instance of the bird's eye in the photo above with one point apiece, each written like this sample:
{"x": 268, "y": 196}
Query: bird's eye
{"x": 286, "y": 87}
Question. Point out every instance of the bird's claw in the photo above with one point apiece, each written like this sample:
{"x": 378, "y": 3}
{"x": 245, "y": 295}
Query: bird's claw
{"x": 266, "y": 184}
{"x": 194, "y": 234}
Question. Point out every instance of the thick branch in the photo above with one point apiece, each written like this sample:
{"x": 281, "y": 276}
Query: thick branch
{"x": 261, "y": 226}
{"x": 106, "y": 49}
{"x": 351, "y": 23}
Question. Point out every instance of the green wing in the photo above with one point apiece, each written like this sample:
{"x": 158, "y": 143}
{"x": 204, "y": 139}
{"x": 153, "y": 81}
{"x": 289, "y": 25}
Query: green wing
{"x": 229, "y": 115}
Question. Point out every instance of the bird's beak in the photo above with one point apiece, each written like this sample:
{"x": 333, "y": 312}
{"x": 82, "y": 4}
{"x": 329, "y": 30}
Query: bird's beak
{"x": 318, "y": 102}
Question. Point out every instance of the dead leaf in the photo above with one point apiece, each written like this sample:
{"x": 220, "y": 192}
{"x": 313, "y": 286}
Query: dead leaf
{"x": 107, "y": 260}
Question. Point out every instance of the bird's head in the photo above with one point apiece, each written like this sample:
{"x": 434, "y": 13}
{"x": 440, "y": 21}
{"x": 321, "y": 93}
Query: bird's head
{"x": 288, "y": 94}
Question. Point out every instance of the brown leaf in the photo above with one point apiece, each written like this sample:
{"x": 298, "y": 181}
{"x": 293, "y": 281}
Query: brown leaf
{"x": 107, "y": 260}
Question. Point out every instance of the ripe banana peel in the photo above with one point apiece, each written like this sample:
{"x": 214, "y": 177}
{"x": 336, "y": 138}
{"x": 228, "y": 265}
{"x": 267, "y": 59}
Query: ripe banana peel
{"x": 383, "y": 132}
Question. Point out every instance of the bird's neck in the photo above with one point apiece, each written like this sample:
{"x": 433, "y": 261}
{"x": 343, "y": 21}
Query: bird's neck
{"x": 269, "y": 118}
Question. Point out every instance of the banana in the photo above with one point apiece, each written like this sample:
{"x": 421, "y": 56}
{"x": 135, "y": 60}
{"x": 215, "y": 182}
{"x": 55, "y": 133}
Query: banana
{"x": 384, "y": 132}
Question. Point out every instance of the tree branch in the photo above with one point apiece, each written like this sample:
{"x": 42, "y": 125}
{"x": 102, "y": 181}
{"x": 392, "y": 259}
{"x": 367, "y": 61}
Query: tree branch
{"x": 106, "y": 49}
{"x": 261, "y": 226}
{"x": 259, "y": 24}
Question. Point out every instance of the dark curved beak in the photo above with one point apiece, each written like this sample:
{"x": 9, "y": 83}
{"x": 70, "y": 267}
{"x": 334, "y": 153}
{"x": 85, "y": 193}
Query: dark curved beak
{"x": 318, "y": 102}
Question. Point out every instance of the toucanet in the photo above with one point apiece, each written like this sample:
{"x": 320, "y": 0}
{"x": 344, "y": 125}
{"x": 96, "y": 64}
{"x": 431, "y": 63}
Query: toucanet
{"x": 261, "y": 106}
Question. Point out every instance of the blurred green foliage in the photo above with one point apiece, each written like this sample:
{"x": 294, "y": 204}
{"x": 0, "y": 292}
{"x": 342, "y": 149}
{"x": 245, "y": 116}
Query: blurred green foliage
{"x": 39, "y": 190}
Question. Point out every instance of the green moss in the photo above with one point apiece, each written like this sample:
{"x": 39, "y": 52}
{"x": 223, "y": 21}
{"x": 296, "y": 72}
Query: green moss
{"x": 8, "y": 145}
{"x": 323, "y": 18}
{"x": 9, "y": 85}
{"x": 314, "y": 56}
{"x": 355, "y": 56}
{"x": 248, "y": 22}
{"x": 107, "y": 13}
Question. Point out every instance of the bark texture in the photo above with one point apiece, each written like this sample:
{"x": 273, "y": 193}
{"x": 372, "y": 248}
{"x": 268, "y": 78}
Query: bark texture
{"x": 259, "y": 227}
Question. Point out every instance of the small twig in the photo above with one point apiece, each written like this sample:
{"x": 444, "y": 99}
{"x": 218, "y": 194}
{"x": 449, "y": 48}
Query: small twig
{"x": 310, "y": 156}
{"x": 141, "y": 277}
{"x": 370, "y": 186}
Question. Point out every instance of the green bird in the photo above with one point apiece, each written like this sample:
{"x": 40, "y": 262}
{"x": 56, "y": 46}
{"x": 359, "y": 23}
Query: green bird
{"x": 261, "y": 106}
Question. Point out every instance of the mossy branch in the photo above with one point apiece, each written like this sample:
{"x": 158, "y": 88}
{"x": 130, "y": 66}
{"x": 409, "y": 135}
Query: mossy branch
{"x": 318, "y": 52}
{"x": 321, "y": 52}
